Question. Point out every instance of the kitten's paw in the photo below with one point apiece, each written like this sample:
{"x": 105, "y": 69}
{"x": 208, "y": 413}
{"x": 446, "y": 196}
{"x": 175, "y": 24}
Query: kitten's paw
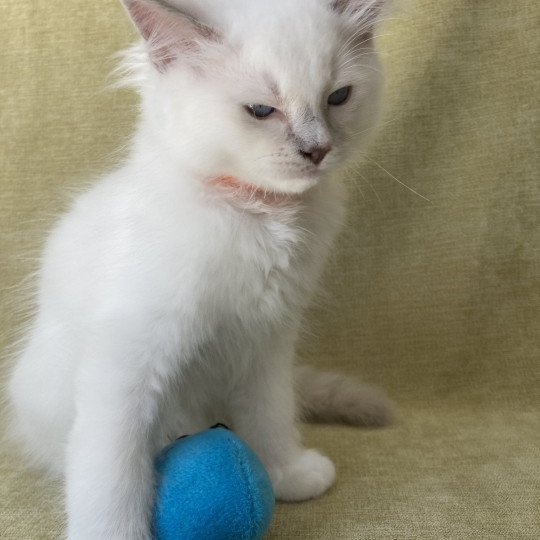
{"x": 308, "y": 476}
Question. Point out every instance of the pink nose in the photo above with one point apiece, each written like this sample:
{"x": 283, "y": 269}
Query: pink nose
{"x": 316, "y": 154}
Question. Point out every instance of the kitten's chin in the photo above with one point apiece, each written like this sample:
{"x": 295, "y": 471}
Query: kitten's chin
{"x": 270, "y": 194}
{"x": 295, "y": 186}
{"x": 291, "y": 186}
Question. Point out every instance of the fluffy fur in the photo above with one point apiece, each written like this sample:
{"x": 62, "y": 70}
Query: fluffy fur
{"x": 170, "y": 295}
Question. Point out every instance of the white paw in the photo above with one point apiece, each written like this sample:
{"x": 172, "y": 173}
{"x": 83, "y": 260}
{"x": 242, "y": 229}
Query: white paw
{"x": 307, "y": 476}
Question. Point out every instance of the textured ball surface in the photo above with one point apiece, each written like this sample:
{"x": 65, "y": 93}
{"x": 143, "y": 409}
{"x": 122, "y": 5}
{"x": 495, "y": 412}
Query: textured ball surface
{"x": 211, "y": 486}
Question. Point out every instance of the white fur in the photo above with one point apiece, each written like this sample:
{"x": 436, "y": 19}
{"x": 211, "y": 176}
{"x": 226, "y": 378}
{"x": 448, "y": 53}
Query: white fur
{"x": 166, "y": 303}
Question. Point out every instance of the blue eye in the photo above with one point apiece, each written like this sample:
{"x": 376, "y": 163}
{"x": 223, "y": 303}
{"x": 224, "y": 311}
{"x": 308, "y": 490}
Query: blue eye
{"x": 260, "y": 111}
{"x": 339, "y": 97}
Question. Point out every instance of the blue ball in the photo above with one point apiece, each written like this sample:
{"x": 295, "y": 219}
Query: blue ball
{"x": 211, "y": 486}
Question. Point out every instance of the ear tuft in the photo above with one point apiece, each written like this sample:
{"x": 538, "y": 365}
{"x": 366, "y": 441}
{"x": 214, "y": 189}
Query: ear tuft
{"x": 168, "y": 32}
{"x": 367, "y": 11}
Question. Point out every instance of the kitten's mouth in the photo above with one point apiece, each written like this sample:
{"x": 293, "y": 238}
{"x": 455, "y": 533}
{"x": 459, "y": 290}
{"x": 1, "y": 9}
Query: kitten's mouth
{"x": 234, "y": 189}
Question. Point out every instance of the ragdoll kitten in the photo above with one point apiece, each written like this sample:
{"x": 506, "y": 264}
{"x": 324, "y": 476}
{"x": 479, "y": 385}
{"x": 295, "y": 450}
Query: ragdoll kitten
{"x": 170, "y": 296}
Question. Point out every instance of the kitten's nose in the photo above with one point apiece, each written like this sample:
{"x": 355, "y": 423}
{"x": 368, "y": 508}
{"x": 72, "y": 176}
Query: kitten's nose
{"x": 317, "y": 153}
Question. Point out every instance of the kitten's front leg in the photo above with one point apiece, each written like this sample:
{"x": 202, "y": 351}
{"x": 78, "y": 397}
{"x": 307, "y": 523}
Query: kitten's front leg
{"x": 109, "y": 477}
{"x": 263, "y": 414}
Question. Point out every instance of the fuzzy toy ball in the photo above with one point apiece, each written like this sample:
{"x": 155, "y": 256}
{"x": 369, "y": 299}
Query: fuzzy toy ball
{"x": 211, "y": 486}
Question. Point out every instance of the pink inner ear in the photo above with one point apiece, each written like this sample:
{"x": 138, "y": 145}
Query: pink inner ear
{"x": 168, "y": 33}
{"x": 149, "y": 17}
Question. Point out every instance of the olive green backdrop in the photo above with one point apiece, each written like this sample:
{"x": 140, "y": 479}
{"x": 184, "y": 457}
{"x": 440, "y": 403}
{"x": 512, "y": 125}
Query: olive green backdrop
{"x": 437, "y": 301}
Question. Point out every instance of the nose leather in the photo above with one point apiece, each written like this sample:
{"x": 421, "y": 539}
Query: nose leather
{"x": 316, "y": 154}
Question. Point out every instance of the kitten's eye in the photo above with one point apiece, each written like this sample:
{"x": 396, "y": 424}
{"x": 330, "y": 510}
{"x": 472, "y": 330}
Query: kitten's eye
{"x": 260, "y": 111}
{"x": 339, "y": 97}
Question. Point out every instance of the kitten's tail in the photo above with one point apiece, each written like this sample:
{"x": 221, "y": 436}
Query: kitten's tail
{"x": 334, "y": 398}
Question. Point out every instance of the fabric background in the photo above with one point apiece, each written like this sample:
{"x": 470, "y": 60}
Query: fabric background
{"x": 438, "y": 302}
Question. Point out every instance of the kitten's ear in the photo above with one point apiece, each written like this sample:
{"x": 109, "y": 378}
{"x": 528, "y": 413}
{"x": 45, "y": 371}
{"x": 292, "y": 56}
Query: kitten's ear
{"x": 168, "y": 32}
{"x": 363, "y": 12}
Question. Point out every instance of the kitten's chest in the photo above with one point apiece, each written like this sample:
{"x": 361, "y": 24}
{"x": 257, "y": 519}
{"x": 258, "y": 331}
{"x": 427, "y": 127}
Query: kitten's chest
{"x": 265, "y": 271}
{"x": 247, "y": 268}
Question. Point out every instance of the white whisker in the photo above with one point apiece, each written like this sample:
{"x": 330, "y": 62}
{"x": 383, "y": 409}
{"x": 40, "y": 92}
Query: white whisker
{"x": 396, "y": 179}
{"x": 356, "y": 170}
{"x": 362, "y": 66}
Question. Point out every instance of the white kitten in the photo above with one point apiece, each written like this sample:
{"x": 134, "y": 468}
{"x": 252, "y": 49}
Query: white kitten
{"x": 171, "y": 294}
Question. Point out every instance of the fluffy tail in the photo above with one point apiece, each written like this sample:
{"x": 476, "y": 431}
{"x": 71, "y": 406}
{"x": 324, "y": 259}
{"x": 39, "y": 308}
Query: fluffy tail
{"x": 334, "y": 398}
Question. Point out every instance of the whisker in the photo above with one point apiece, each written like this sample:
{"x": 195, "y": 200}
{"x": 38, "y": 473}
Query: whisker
{"x": 352, "y": 58}
{"x": 362, "y": 30}
{"x": 370, "y": 38}
{"x": 358, "y": 32}
{"x": 266, "y": 156}
{"x": 351, "y": 66}
{"x": 379, "y": 125}
{"x": 396, "y": 179}
{"x": 374, "y": 191}
{"x": 357, "y": 171}
{"x": 358, "y": 45}
{"x": 358, "y": 187}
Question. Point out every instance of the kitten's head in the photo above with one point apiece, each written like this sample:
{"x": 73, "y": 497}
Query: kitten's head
{"x": 276, "y": 94}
